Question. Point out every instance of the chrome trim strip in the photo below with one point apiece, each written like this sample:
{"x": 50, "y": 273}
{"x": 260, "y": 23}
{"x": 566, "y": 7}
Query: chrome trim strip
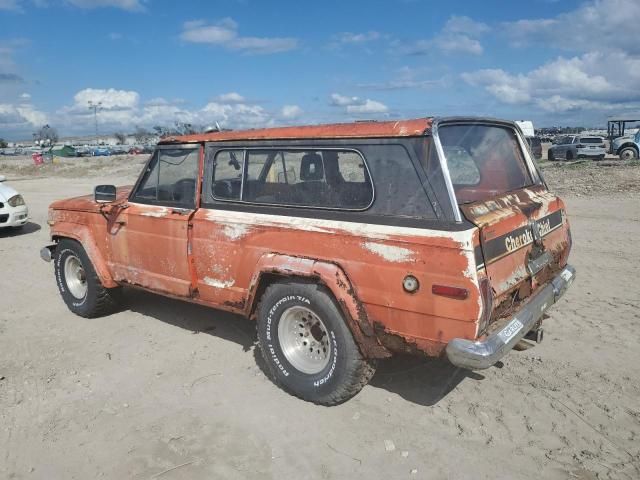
{"x": 445, "y": 171}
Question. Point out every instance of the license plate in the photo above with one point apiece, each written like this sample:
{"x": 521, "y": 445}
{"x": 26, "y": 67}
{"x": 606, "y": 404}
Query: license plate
{"x": 566, "y": 275}
{"x": 512, "y": 328}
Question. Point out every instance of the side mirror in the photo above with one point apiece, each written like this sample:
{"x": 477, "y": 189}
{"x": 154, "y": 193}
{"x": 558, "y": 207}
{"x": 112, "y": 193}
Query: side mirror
{"x": 2, "y": 178}
{"x": 104, "y": 193}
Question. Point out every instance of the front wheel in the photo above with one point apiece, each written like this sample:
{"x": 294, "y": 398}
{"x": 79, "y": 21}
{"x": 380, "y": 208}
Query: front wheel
{"x": 79, "y": 284}
{"x": 628, "y": 153}
{"x": 307, "y": 346}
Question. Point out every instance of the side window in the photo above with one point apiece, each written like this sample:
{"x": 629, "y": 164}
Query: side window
{"x": 312, "y": 178}
{"x": 170, "y": 178}
{"x": 227, "y": 174}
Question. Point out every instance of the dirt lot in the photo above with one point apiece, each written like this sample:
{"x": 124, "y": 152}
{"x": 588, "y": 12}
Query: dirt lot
{"x": 170, "y": 390}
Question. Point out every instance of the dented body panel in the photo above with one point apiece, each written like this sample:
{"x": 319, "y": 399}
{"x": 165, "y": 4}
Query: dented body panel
{"x": 224, "y": 254}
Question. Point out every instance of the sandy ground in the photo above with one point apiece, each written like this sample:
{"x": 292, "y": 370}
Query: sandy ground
{"x": 169, "y": 390}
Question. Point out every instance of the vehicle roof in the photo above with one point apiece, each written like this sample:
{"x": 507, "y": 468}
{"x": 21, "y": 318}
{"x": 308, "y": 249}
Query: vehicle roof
{"x": 368, "y": 129}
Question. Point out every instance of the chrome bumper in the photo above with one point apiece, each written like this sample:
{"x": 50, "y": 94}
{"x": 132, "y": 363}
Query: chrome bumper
{"x": 46, "y": 253}
{"x": 479, "y": 354}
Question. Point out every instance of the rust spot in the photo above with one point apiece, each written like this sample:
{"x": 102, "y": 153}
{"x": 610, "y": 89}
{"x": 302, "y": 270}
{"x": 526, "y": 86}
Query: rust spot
{"x": 239, "y": 305}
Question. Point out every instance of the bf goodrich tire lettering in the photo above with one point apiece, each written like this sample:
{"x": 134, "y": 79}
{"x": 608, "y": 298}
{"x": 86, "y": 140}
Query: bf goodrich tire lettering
{"x": 333, "y": 369}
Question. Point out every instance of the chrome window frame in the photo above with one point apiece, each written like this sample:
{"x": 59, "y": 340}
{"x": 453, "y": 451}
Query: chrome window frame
{"x": 294, "y": 148}
{"x": 444, "y": 166}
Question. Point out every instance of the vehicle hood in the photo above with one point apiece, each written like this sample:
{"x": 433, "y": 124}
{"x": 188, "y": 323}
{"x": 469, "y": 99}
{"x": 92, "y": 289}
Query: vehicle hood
{"x": 86, "y": 203}
{"x": 6, "y": 192}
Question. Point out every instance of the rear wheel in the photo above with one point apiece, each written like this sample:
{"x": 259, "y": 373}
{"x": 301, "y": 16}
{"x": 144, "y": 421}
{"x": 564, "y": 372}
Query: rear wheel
{"x": 309, "y": 350}
{"x": 551, "y": 156}
{"x": 628, "y": 153}
{"x": 79, "y": 284}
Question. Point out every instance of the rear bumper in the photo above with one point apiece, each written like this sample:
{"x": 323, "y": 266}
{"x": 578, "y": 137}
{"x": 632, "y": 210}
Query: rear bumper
{"x": 481, "y": 354}
{"x": 591, "y": 153}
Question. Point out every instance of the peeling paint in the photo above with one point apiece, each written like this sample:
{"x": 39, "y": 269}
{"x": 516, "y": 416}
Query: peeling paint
{"x": 155, "y": 212}
{"x": 212, "y": 282}
{"x": 389, "y": 252}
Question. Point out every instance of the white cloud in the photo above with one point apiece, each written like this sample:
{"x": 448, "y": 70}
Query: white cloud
{"x": 357, "y": 105}
{"x": 231, "y": 97}
{"x": 111, "y": 99}
{"x": 130, "y": 5}
{"x": 25, "y": 96}
{"x": 369, "y": 106}
{"x": 123, "y": 110}
{"x": 224, "y": 33}
{"x": 347, "y": 38}
{"x": 595, "y": 80}
{"x": 459, "y": 35}
{"x": 343, "y": 101}
{"x": 291, "y": 111}
{"x": 21, "y": 116}
{"x": 595, "y": 25}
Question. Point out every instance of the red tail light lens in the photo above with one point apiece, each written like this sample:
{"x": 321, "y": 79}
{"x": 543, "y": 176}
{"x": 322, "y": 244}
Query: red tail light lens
{"x": 579, "y": 146}
{"x": 451, "y": 292}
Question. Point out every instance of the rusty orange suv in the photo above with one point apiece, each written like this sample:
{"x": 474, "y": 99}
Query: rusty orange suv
{"x": 346, "y": 243}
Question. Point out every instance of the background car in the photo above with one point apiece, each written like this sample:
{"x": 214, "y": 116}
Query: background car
{"x": 535, "y": 143}
{"x": 101, "y": 152}
{"x": 13, "y": 210}
{"x": 572, "y": 147}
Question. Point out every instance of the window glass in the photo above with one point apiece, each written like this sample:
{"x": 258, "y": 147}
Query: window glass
{"x": 170, "y": 178}
{"x": 591, "y": 140}
{"x": 495, "y": 153}
{"x": 227, "y": 174}
{"x": 315, "y": 178}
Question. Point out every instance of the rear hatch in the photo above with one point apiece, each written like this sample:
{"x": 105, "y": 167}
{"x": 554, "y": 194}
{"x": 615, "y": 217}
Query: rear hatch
{"x": 524, "y": 234}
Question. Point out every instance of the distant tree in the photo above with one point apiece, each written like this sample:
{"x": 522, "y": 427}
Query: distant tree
{"x": 3, "y": 143}
{"x": 120, "y": 137}
{"x": 46, "y": 135}
{"x": 142, "y": 135}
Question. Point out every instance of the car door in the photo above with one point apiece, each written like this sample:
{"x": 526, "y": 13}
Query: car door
{"x": 149, "y": 234}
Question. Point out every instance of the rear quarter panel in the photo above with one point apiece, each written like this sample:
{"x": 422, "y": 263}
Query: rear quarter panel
{"x": 227, "y": 247}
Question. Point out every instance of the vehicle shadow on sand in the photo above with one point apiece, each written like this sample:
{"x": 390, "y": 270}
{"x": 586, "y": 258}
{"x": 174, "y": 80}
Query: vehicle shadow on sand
{"x": 423, "y": 381}
{"x": 26, "y": 229}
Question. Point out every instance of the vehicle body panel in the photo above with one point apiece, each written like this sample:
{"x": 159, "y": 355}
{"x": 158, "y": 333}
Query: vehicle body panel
{"x": 11, "y": 216}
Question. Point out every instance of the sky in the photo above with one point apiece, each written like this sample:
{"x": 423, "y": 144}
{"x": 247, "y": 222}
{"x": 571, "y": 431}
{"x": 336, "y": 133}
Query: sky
{"x": 251, "y": 63}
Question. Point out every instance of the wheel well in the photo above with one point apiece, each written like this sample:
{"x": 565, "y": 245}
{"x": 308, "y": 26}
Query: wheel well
{"x": 627, "y": 145}
{"x": 269, "y": 278}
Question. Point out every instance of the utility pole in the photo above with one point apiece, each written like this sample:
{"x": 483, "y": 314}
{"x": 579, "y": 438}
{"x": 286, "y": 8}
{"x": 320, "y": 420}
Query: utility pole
{"x": 95, "y": 106}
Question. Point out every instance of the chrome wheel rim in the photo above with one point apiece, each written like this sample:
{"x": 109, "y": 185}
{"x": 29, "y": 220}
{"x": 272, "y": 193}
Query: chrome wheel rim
{"x": 304, "y": 340}
{"x": 75, "y": 277}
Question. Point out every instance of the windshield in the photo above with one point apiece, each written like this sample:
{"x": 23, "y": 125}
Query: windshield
{"x": 484, "y": 161}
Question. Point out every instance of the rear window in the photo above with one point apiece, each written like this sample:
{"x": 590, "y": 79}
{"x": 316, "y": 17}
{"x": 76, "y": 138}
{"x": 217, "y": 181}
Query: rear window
{"x": 591, "y": 140}
{"x": 484, "y": 161}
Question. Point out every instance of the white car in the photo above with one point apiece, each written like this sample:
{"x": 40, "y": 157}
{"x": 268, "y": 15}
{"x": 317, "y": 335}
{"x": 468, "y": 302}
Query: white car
{"x": 13, "y": 210}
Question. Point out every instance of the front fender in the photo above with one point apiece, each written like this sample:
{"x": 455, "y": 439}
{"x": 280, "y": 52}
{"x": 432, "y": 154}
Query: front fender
{"x": 83, "y": 235}
{"x": 335, "y": 279}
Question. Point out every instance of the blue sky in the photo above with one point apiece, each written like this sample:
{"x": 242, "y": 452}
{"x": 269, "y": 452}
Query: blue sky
{"x": 248, "y": 63}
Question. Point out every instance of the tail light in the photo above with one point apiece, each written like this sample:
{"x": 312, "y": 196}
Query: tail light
{"x": 579, "y": 146}
{"x": 456, "y": 293}
{"x": 487, "y": 305}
